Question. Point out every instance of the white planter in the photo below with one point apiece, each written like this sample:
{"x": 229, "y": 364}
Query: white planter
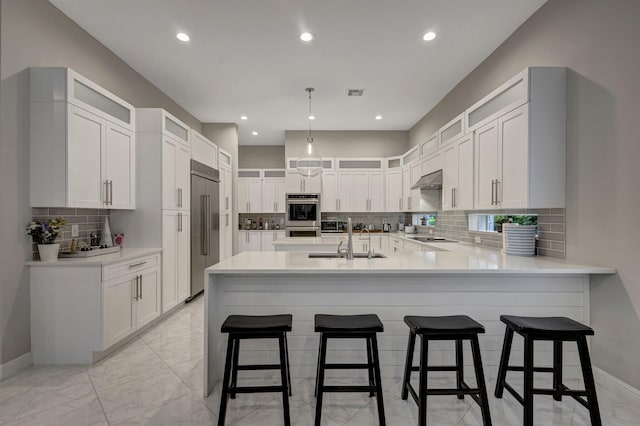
{"x": 48, "y": 252}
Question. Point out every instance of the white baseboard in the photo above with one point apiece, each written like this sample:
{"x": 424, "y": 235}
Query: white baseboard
{"x": 15, "y": 366}
{"x": 605, "y": 379}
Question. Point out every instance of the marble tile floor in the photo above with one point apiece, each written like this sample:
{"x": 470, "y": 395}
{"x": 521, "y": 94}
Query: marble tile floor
{"x": 157, "y": 380}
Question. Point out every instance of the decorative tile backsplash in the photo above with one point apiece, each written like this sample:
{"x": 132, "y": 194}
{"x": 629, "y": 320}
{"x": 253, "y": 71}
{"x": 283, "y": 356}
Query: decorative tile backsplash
{"x": 551, "y": 229}
{"x": 375, "y": 219}
{"x": 88, "y": 221}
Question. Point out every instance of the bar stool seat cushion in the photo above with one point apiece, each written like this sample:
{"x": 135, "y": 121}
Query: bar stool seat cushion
{"x": 348, "y": 323}
{"x": 546, "y": 325}
{"x": 453, "y": 324}
{"x": 257, "y": 323}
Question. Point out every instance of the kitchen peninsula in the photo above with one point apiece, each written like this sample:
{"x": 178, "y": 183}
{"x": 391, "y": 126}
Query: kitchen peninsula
{"x": 461, "y": 279}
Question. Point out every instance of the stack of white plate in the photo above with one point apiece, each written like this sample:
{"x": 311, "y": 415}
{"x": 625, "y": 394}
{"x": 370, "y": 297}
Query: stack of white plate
{"x": 519, "y": 240}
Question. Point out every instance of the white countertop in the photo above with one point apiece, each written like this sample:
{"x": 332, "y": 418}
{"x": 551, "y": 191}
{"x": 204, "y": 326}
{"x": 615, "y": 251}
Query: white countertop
{"x": 463, "y": 259}
{"x": 105, "y": 259}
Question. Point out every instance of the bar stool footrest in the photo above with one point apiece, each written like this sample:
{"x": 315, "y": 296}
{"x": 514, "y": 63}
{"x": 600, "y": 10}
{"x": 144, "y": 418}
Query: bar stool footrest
{"x": 437, "y": 368}
{"x": 255, "y": 389}
{"x": 535, "y": 369}
{"x": 347, "y": 366}
{"x": 259, "y": 367}
{"x": 348, "y": 388}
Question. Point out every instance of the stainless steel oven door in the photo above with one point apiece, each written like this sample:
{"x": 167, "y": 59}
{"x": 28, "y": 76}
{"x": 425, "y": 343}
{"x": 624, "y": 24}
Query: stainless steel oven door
{"x": 303, "y": 210}
{"x": 303, "y": 231}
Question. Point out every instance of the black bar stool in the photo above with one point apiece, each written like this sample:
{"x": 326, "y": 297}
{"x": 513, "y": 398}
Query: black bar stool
{"x": 557, "y": 330}
{"x": 457, "y": 328}
{"x": 349, "y": 327}
{"x": 242, "y": 327}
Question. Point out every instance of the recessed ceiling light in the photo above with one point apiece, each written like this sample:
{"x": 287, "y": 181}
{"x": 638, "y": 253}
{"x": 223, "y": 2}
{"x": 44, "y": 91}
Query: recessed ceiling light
{"x": 429, "y": 36}
{"x": 243, "y": 117}
{"x": 378, "y": 117}
{"x": 183, "y": 37}
{"x": 254, "y": 133}
{"x": 306, "y": 36}
{"x": 312, "y": 117}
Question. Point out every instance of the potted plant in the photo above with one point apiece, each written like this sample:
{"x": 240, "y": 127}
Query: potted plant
{"x": 44, "y": 234}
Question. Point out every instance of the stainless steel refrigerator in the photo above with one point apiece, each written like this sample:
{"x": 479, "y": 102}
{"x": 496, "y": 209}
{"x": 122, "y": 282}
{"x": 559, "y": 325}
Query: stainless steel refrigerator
{"x": 205, "y": 229}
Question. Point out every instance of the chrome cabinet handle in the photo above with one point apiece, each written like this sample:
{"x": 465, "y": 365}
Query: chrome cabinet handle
{"x": 110, "y": 192}
{"x": 179, "y": 222}
{"x": 140, "y": 285}
{"x": 135, "y": 294}
{"x": 106, "y": 192}
{"x": 399, "y": 204}
{"x": 227, "y": 203}
{"x": 203, "y": 218}
{"x": 208, "y": 234}
{"x": 137, "y": 264}
{"x": 497, "y": 192}
{"x": 227, "y": 220}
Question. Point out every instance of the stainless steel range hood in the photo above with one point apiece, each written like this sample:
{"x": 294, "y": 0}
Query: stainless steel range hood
{"x": 431, "y": 181}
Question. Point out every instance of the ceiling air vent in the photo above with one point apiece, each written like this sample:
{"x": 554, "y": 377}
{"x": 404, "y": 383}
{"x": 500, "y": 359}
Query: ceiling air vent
{"x": 355, "y": 92}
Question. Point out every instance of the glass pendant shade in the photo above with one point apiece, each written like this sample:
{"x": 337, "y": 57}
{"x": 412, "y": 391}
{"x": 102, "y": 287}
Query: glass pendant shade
{"x": 309, "y": 162}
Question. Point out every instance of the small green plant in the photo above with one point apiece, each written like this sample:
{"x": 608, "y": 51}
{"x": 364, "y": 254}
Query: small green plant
{"x": 47, "y": 231}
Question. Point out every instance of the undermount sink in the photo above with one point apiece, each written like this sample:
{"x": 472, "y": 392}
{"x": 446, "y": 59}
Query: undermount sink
{"x": 433, "y": 240}
{"x": 337, "y": 256}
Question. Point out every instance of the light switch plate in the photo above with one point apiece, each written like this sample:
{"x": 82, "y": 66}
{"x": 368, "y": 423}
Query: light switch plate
{"x": 74, "y": 231}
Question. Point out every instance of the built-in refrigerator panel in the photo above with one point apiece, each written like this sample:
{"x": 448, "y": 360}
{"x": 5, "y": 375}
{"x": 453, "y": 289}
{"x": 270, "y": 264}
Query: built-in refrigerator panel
{"x": 205, "y": 223}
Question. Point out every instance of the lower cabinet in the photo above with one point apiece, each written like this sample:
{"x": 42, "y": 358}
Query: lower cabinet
{"x": 268, "y": 237}
{"x": 226, "y": 235}
{"x": 176, "y": 265}
{"x": 80, "y": 310}
{"x": 258, "y": 240}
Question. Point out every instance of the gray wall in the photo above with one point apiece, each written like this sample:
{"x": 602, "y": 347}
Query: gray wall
{"x": 352, "y": 143}
{"x": 35, "y": 33}
{"x": 597, "y": 40}
{"x": 261, "y": 157}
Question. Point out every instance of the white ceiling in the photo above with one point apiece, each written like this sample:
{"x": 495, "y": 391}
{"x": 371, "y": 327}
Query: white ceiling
{"x": 245, "y": 56}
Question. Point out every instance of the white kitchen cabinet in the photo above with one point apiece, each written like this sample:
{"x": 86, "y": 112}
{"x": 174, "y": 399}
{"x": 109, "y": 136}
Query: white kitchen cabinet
{"x": 274, "y": 195}
{"x": 458, "y": 176}
{"x": 80, "y": 310}
{"x": 250, "y": 195}
{"x": 226, "y": 205}
{"x": 176, "y": 174}
{"x": 249, "y": 241}
{"x": 296, "y": 183}
{"x": 396, "y": 245}
{"x": 267, "y": 239}
{"x": 393, "y": 199}
{"x": 226, "y": 188}
{"x": 430, "y": 146}
{"x": 411, "y": 247}
{"x": 329, "y": 197}
{"x": 82, "y": 143}
{"x": 486, "y": 165}
{"x": 452, "y": 130}
{"x": 176, "y": 264}
{"x": 338, "y": 192}
{"x": 411, "y": 197}
{"x": 203, "y": 150}
{"x": 368, "y": 193}
{"x": 226, "y": 235}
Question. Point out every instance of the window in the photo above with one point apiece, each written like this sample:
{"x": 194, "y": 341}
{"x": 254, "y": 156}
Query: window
{"x": 493, "y": 222}
{"x": 424, "y": 219}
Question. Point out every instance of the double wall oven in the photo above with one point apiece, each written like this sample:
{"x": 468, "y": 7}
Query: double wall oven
{"x": 303, "y": 215}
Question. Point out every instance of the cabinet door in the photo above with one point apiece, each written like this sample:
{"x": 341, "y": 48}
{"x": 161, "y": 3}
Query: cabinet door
{"x": 255, "y": 241}
{"x": 169, "y": 183}
{"x": 120, "y": 166}
{"x": 294, "y": 182}
{"x": 416, "y": 173}
{"x": 513, "y": 130}
{"x": 184, "y": 257}
{"x": 376, "y": 191}
{"x": 361, "y": 191}
{"x": 86, "y": 136}
{"x": 393, "y": 199}
{"x": 147, "y": 306}
{"x": 243, "y": 195}
{"x": 226, "y": 186}
{"x": 344, "y": 192}
{"x": 254, "y": 194}
{"x": 330, "y": 192}
{"x": 243, "y": 241}
{"x": 118, "y": 312}
{"x": 312, "y": 184}
{"x": 406, "y": 188}
{"x": 486, "y": 141}
{"x": 169, "y": 259}
{"x": 266, "y": 239}
{"x": 224, "y": 231}
{"x": 449, "y": 177}
{"x": 183, "y": 177}
{"x": 464, "y": 190}
{"x": 281, "y": 200}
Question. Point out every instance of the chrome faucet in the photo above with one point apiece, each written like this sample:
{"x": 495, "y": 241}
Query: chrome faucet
{"x": 348, "y": 252}
{"x": 369, "y": 253}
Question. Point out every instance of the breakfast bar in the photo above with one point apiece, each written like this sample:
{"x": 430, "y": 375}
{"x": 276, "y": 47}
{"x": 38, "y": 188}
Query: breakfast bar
{"x": 463, "y": 279}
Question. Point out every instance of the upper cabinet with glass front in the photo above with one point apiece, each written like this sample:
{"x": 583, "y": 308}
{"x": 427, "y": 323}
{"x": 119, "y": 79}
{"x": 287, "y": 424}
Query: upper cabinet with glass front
{"x": 82, "y": 140}
{"x": 452, "y": 130}
{"x": 429, "y": 146}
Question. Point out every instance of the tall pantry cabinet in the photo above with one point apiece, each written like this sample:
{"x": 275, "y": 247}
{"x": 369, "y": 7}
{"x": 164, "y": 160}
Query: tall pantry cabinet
{"x": 162, "y": 215}
{"x": 226, "y": 205}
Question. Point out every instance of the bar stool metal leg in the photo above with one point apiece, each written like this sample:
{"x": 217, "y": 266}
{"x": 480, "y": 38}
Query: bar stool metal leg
{"x": 477, "y": 364}
{"x": 283, "y": 378}
{"x": 459, "y": 367}
{"x": 408, "y": 365}
{"x": 557, "y": 369}
{"x": 378, "y": 379}
{"x": 370, "y": 369}
{"x": 315, "y": 390}
{"x": 504, "y": 362}
{"x": 320, "y": 385}
{"x": 234, "y": 366}
{"x": 528, "y": 382}
{"x": 424, "y": 363}
{"x": 589, "y": 383}
{"x": 286, "y": 354}
{"x": 225, "y": 383}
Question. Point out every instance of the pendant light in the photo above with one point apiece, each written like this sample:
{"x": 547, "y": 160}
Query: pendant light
{"x": 309, "y": 162}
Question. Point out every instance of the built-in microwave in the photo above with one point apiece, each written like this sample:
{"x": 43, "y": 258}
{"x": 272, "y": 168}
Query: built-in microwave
{"x": 303, "y": 210}
{"x": 332, "y": 225}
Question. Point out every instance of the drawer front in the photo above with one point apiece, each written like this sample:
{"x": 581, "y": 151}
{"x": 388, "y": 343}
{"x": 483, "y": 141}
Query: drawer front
{"x": 131, "y": 266}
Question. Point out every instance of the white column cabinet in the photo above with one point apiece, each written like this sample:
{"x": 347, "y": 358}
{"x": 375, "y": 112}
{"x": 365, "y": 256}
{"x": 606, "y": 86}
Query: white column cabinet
{"x": 176, "y": 265}
{"x": 176, "y": 174}
{"x": 226, "y": 206}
